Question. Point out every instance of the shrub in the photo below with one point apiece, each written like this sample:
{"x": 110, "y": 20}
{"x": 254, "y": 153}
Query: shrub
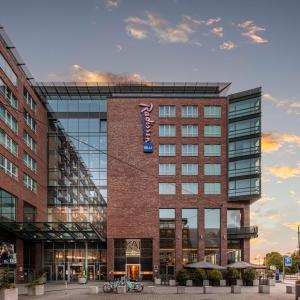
{"x": 297, "y": 282}
{"x": 249, "y": 275}
{"x": 182, "y": 276}
{"x": 35, "y": 282}
{"x": 198, "y": 275}
{"x": 215, "y": 276}
{"x": 6, "y": 278}
{"x": 270, "y": 274}
{"x": 232, "y": 275}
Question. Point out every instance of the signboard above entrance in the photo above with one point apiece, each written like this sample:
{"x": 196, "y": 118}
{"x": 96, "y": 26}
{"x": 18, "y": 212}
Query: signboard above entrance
{"x": 133, "y": 247}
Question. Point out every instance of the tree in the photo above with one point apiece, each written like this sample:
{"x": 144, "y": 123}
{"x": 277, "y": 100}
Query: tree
{"x": 274, "y": 259}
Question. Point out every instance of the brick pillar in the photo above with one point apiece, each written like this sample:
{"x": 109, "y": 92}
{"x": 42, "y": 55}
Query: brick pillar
{"x": 20, "y": 261}
{"x": 246, "y": 250}
{"x": 155, "y": 255}
{"x": 110, "y": 258}
{"x": 178, "y": 237}
{"x": 223, "y": 236}
{"x": 201, "y": 234}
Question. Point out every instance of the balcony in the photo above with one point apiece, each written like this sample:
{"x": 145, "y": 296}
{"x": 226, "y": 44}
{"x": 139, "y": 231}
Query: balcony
{"x": 242, "y": 233}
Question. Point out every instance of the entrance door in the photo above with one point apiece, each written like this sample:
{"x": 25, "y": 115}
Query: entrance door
{"x": 91, "y": 275}
{"x": 75, "y": 271}
{"x": 48, "y": 271}
{"x": 60, "y": 272}
{"x": 133, "y": 272}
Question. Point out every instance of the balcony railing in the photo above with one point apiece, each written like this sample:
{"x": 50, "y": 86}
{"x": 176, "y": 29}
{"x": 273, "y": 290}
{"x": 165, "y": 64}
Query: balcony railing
{"x": 242, "y": 233}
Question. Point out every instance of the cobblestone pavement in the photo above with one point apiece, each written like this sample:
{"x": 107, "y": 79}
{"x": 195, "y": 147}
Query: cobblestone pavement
{"x": 81, "y": 292}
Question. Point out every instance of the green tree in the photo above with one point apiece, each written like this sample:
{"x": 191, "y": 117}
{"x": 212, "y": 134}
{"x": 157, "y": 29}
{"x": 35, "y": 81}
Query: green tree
{"x": 274, "y": 259}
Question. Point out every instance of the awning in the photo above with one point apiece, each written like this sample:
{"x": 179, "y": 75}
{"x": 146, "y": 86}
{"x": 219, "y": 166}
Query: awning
{"x": 244, "y": 265}
{"x": 204, "y": 265}
{"x": 53, "y": 231}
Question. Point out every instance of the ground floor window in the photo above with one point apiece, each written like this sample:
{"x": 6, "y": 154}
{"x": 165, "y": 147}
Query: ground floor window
{"x": 234, "y": 251}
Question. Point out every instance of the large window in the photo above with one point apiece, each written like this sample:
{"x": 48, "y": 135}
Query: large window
{"x": 30, "y": 183}
{"x": 167, "y": 111}
{"x": 29, "y": 100}
{"x": 244, "y": 167}
{"x": 167, "y": 130}
{"x": 167, "y": 188}
{"x": 8, "y": 204}
{"x": 189, "y": 130}
{"x": 189, "y": 235}
{"x": 246, "y": 107}
{"x": 234, "y": 218}
{"x": 189, "y": 111}
{"x": 212, "y": 188}
{"x": 29, "y": 121}
{"x": 244, "y": 128}
{"x": 212, "y": 169}
{"x": 8, "y": 167}
{"x": 189, "y": 169}
{"x": 29, "y": 141}
{"x": 8, "y": 143}
{"x": 167, "y": 169}
{"x": 212, "y": 111}
{"x": 167, "y": 150}
{"x": 29, "y": 162}
{"x": 244, "y": 147}
{"x": 189, "y": 188}
{"x": 212, "y": 150}
{"x": 189, "y": 150}
{"x": 7, "y": 70}
{"x": 29, "y": 212}
{"x": 212, "y": 224}
{"x": 244, "y": 187}
{"x": 212, "y": 130}
{"x": 8, "y": 94}
{"x": 8, "y": 119}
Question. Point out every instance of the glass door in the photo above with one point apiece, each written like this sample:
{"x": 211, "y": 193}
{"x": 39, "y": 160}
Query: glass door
{"x": 60, "y": 272}
{"x": 91, "y": 272}
{"x": 133, "y": 272}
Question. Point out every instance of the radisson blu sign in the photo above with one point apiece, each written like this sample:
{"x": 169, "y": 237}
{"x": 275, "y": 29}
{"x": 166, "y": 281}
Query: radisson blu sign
{"x": 147, "y": 123}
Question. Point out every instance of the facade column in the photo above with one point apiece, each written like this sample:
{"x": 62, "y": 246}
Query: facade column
{"x": 86, "y": 257}
{"x": 178, "y": 239}
{"x": 201, "y": 234}
{"x": 20, "y": 261}
{"x": 155, "y": 255}
{"x": 110, "y": 258}
{"x": 223, "y": 244}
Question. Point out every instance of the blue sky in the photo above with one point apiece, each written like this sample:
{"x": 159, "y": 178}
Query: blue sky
{"x": 249, "y": 43}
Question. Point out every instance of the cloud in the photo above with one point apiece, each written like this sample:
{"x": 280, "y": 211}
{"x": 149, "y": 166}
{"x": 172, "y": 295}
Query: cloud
{"x": 218, "y": 31}
{"x": 227, "y": 46}
{"x": 213, "y": 21}
{"x": 293, "y": 226}
{"x": 284, "y": 172}
{"x": 135, "y": 32}
{"x": 289, "y": 106}
{"x": 272, "y": 141}
{"x": 111, "y": 4}
{"x": 251, "y": 32}
{"x": 119, "y": 47}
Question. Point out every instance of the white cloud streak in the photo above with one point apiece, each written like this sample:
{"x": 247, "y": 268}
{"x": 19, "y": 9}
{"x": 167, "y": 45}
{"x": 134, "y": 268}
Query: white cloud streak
{"x": 252, "y": 32}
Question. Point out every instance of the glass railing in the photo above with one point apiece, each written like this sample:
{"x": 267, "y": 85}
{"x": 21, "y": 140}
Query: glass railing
{"x": 244, "y": 171}
{"x": 244, "y": 152}
{"x": 246, "y": 191}
{"x": 244, "y": 131}
{"x": 244, "y": 112}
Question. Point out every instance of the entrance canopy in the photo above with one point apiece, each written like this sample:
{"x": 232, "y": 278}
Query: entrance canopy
{"x": 53, "y": 231}
{"x": 204, "y": 265}
{"x": 244, "y": 265}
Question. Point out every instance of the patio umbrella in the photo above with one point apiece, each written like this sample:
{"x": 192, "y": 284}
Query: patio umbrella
{"x": 204, "y": 265}
{"x": 244, "y": 265}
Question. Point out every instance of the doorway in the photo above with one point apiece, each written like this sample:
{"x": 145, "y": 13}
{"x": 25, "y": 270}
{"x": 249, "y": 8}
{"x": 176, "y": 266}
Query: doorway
{"x": 133, "y": 271}
{"x": 75, "y": 271}
{"x": 48, "y": 271}
{"x": 60, "y": 272}
{"x": 91, "y": 275}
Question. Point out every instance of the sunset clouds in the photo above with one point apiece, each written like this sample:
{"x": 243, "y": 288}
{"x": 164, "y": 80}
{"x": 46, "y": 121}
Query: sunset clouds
{"x": 284, "y": 171}
{"x": 274, "y": 140}
{"x": 252, "y": 32}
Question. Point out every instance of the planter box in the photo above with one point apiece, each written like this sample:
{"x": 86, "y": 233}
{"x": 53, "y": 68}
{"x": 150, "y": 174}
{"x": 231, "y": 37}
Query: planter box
{"x": 271, "y": 282}
{"x": 264, "y": 289}
{"x": 9, "y": 294}
{"x": 222, "y": 282}
{"x": 81, "y": 280}
{"x": 207, "y": 289}
{"x": 290, "y": 289}
{"x": 150, "y": 289}
{"x": 157, "y": 281}
{"x": 236, "y": 289}
{"x": 36, "y": 290}
{"x": 180, "y": 290}
{"x": 189, "y": 283}
{"x": 239, "y": 282}
{"x": 93, "y": 290}
{"x": 255, "y": 282}
{"x": 297, "y": 290}
{"x": 121, "y": 289}
{"x": 172, "y": 282}
{"x": 205, "y": 282}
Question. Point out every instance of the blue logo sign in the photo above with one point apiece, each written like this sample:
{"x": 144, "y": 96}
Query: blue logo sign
{"x": 148, "y": 148}
{"x": 288, "y": 261}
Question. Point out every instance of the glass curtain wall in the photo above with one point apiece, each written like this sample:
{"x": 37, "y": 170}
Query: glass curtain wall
{"x": 212, "y": 220}
{"x": 189, "y": 235}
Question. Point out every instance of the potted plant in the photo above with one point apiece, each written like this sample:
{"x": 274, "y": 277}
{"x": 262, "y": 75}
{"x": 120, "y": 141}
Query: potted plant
{"x": 198, "y": 276}
{"x": 249, "y": 277}
{"x": 42, "y": 276}
{"x": 36, "y": 287}
{"x": 182, "y": 276}
{"x": 172, "y": 281}
{"x": 82, "y": 278}
{"x": 270, "y": 277}
{"x": 215, "y": 276}
{"x": 157, "y": 279}
{"x": 8, "y": 290}
{"x": 232, "y": 276}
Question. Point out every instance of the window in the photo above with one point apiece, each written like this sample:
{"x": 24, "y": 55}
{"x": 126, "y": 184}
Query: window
{"x": 29, "y": 212}
{"x": 244, "y": 128}
{"x": 244, "y": 187}
{"x": 167, "y": 111}
{"x": 29, "y": 183}
{"x": 189, "y": 111}
{"x": 8, "y": 167}
{"x": 234, "y": 218}
{"x": 189, "y": 150}
{"x": 189, "y": 169}
{"x": 8, "y": 204}
{"x": 167, "y": 150}
{"x": 212, "y": 225}
{"x": 212, "y": 111}
{"x": 212, "y": 130}
{"x": 29, "y": 141}
{"x": 167, "y": 188}
{"x": 29, "y": 100}
{"x": 8, "y": 119}
{"x": 167, "y": 169}
{"x": 212, "y": 188}
{"x": 8, "y": 143}
{"x": 189, "y": 130}
{"x": 7, "y": 70}
{"x": 244, "y": 167}
{"x": 189, "y": 188}
{"x": 8, "y": 94}
{"x": 212, "y": 150}
{"x": 29, "y": 121}
{"x": 29, "y": 162}
{"x": 245, "y": 107}
{"x": 212, "y": 169}
{"x": 167, "y": 130}
{"x": 244, "y": 147}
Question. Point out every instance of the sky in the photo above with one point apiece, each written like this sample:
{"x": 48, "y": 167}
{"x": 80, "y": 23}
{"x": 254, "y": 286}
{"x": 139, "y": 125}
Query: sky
{"x": 249, "y": 43}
